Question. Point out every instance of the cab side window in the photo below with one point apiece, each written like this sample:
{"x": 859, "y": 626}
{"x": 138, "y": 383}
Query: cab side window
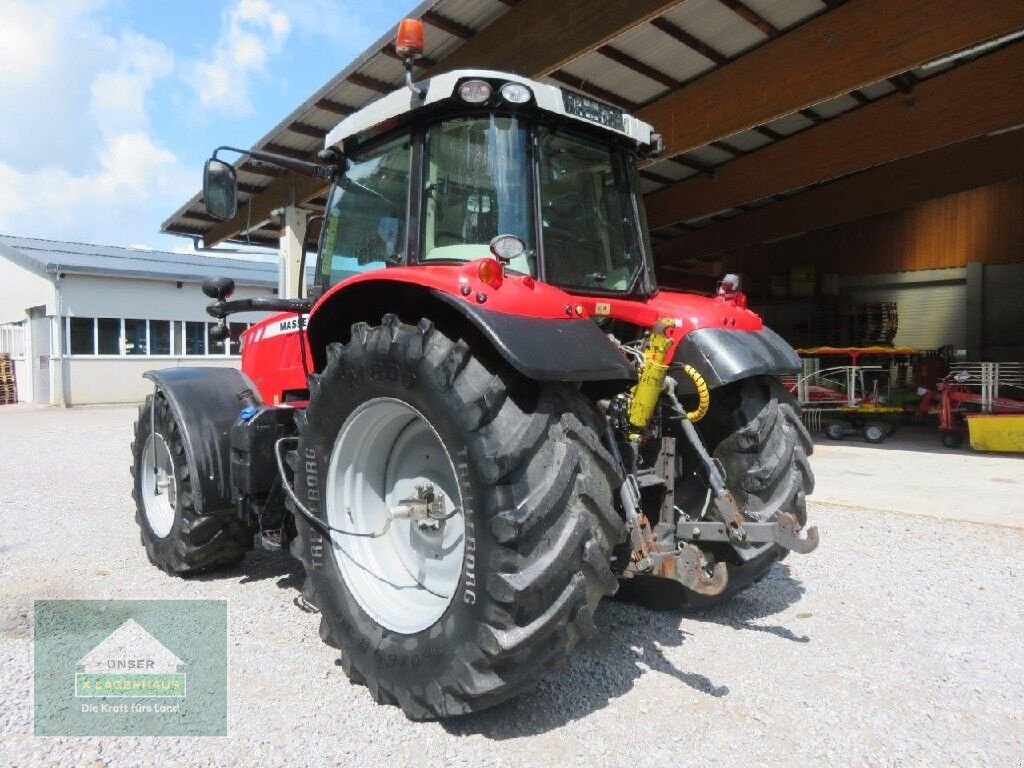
{"x": 366, "y": 214}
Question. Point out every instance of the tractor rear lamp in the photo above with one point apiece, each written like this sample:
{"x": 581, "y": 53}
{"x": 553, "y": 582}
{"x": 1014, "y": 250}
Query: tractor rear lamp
{"x": 475, "y": 91}
{"x": 515, "y": 93}
{"x": 409, "y": 39}
{"x": 490, "y": 272}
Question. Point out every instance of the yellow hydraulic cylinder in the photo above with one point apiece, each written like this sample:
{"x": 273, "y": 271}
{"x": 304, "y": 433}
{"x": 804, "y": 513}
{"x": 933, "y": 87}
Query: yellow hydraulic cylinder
{"x": 644, "y": 397}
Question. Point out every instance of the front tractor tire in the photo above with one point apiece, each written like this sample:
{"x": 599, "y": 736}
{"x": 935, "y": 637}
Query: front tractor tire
{"x": 178, "y": 540}
{"x": 456, "y": 616}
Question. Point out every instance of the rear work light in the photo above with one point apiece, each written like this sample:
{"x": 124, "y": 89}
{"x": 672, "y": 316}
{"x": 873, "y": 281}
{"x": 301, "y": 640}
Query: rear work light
{"x": 507, "y": 247}
{"x": 515, "y": 93}
{"x": 475, "y": 91}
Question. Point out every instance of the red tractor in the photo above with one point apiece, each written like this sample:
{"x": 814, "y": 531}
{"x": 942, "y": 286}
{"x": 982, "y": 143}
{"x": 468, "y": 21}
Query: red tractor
{"x": 484, "y": 416}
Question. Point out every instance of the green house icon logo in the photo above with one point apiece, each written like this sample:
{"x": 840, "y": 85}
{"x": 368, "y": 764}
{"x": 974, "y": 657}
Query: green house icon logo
{"x": 130, "y": 663}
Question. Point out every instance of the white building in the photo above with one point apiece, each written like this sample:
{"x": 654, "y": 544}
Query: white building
{"x": 83, "y": 322}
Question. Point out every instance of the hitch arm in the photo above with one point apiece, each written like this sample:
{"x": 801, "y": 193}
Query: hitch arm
{"x": 784, "y": 531}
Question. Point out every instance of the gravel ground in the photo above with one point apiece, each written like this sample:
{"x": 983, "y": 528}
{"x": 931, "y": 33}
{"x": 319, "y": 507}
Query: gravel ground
{"x": 897, "y": 643}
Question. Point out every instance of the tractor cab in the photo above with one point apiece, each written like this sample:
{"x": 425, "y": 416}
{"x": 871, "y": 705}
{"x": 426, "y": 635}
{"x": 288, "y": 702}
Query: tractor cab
{"x": 472, "y": 164}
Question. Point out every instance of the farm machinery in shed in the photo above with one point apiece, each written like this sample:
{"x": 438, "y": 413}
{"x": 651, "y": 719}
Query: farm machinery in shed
{"x": 851, "y": 398}
{"x": 485, "y": 416}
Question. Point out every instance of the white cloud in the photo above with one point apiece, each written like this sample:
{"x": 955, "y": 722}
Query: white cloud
{"x": 77, "y": 158}
{"x": 252, "y": 32}
{"x": 118, "y": 94}
{"x": 108, "y": 204}
{"x": 339, "y": 22}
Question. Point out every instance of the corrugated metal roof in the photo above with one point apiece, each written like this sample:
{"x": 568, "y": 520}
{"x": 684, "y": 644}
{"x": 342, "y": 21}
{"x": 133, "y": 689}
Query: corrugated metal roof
{"x": 638, "y": 66}
{"x": 55, "y": 256}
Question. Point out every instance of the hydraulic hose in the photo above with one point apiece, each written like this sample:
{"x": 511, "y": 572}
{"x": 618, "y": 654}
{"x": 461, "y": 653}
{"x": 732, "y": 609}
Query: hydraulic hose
{"x": 703, "y": 394}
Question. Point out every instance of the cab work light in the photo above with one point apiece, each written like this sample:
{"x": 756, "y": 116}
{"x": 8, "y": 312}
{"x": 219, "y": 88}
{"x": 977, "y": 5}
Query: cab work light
{"x": 475, "y": 91}
{"x": 515, "y": 93}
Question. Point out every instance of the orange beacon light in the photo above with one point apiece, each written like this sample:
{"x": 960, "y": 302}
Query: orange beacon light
{"x": 409, "y": 39}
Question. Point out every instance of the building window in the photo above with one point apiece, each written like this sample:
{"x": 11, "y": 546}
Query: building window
{"x": 81, "y": 336}
{"x": 237, "y": 329}
{"x": 135, "y": 337}
{"x": 113, "y": 336}
{"x": 213, "y": 346}
{"x": 195, "y": 338}
{"x": 159, "y": 337}
{"x": 108, "y": 335}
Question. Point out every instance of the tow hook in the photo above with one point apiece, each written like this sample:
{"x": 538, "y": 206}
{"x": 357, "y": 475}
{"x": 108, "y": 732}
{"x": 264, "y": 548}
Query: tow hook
{"x": 686, "y": 564}
{"x": 691, "y": 570}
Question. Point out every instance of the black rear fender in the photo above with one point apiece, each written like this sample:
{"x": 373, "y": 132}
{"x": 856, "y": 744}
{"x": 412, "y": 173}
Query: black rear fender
{"x": 724, "y": 355}
{"x": 573, "y": 349}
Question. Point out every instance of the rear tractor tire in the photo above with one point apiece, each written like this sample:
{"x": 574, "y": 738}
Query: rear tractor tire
{"x": 455, "y": 616}
{"x": 177, "y": 539}
{"x": 754, "y": 429}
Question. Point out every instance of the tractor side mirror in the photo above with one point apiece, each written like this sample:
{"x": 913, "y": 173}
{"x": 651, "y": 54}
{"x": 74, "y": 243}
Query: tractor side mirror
{"x": 220, "y": 189}
{"x": 218, "y": 288}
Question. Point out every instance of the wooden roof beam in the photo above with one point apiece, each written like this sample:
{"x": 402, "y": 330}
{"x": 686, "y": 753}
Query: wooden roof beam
{"x": 856, "y": 44}
{"x": 305, "y": 129}
{"x": 452, "y": 27}
{"x": 693, "y": 165}
{"x": 751, "y": 17}
{"x": 370, "y": 83}
{"x": 335, "y": 107}
{"x": 936, "y": 173}
{"x": 538, "y": 37}
{"x": 638, "y": 66}
{"x": 984, "y": 95}
{"x": 250, "y": 189}
{"x": 684, "y": 37}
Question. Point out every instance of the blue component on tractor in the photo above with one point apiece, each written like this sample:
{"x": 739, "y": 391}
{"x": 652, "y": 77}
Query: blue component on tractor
{"x": 248, "y": 412}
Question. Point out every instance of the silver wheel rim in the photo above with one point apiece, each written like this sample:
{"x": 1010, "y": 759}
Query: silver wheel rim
{"x": 159, "y": 487}
{"x": 406, "y": 579}
{"x": 875, "y": 433}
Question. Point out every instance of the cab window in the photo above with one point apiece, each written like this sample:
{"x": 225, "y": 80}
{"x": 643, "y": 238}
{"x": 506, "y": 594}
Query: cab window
{"x": 366, "y": 214}
{"x": 477, "y": 185}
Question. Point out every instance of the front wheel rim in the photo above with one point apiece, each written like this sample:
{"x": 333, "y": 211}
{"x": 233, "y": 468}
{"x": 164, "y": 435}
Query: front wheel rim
{"x": 406, "y": 579}
{"x": 159, "y": 487}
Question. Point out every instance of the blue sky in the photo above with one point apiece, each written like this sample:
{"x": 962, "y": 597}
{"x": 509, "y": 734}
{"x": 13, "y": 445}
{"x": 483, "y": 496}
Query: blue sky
{"x": 111, "y": 106}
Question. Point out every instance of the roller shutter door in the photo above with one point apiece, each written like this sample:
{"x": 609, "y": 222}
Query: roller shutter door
{"x": 931, "y": 315}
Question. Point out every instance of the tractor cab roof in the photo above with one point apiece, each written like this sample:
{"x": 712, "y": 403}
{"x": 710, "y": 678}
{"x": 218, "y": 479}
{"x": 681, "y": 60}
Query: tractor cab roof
{"x": 399, "y": 106}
